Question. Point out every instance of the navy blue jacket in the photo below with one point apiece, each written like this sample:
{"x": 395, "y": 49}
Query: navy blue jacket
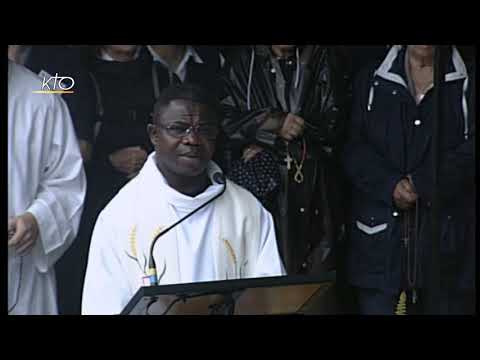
{"x": 390, "y": 138}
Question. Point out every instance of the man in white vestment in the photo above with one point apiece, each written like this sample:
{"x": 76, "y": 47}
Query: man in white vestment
{"x": 46, "y": 190}
{"x": 230, "y": 238}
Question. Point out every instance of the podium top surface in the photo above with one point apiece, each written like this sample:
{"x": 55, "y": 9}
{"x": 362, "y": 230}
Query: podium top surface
{"x": 283, "y": 287}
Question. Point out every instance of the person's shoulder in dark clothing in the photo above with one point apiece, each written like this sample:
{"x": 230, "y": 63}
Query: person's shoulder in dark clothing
{"x": 232, "y": 52}
{"x": 238, "y": 55}
{"x": 209, "y": 72}
{"x": 46, "y": 58}
{"x": 209, "y": 54}
{"x": 467, "y": 52}
{"x": 366, "y": 71}
{"x": 363, "y": 56}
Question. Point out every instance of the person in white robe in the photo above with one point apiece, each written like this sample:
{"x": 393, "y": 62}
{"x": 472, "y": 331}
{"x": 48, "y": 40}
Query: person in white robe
{"x": 46, "y": 189}
{"x": 233, "y": 237}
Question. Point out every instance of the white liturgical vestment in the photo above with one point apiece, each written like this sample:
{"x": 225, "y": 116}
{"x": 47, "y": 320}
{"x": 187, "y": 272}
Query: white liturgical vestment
{"x": 233, "y": 237}
{"x": 45, "y": 178}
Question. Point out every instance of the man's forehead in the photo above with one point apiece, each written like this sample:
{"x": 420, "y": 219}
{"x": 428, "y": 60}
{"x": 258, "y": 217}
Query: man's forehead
{"x": 185, "y": 109}
{"x": 182, "y": 105}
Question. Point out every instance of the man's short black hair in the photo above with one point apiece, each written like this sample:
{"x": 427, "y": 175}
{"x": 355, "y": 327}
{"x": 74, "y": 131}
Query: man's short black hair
{"x": 187, "y": 91}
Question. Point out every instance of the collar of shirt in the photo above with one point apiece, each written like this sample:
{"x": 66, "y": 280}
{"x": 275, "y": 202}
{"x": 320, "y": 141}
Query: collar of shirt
{"x": 181, "y": 70}
{"x": 106, "y": 56}
{"x": 158, "y": 184}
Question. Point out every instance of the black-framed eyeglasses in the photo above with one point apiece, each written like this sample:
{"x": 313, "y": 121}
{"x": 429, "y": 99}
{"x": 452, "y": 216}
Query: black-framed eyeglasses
{"x": 180, "y": 131}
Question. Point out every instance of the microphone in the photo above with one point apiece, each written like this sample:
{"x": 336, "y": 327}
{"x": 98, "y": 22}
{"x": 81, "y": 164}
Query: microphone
{"x": 219, "y": 178}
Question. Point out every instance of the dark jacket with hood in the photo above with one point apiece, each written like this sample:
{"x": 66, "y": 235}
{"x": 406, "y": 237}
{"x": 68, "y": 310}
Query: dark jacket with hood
{"x": 390, "y": 137}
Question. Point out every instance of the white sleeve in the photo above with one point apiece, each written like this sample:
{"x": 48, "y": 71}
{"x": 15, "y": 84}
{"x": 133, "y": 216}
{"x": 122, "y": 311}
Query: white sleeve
{"x": 269, "y": 262}
{"x": 58, "y": 203}
{"x": 106, "y": 290}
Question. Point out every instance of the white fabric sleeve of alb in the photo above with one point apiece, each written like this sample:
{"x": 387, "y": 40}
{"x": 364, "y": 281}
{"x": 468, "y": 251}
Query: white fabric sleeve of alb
{"x": 60, "y": 196}
{"x": 269, "y": 262}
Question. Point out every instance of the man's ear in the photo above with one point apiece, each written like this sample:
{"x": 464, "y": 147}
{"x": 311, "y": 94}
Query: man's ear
{"x": 152, "y": 133}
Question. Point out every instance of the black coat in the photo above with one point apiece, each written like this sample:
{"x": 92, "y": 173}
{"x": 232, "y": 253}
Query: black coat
{"x": 125, "y": 98}
{"x": 207, "y": 74}
{"x": 390, "y": 137}
{"x": 319, "y": 99}
{"x": 259, "y": 96}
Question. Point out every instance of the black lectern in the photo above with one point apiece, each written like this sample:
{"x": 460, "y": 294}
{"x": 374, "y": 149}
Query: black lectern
{"x": 254, "y": 296}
